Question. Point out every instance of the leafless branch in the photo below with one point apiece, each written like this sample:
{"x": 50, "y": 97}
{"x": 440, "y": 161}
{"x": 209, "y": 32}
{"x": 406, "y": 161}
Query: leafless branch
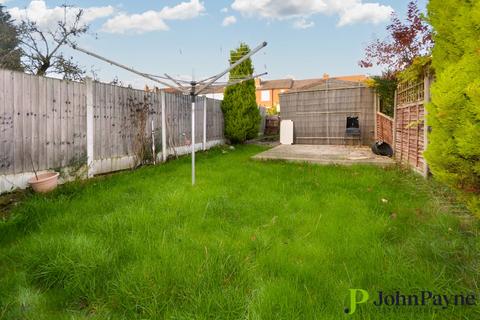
{"x": 42, "y": 48}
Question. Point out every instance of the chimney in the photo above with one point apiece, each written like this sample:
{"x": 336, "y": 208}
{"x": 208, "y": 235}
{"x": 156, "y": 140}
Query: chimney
{"x": 326, "y": 76}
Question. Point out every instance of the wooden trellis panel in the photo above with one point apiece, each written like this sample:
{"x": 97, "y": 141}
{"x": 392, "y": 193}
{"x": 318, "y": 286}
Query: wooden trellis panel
{"x": 410, "y": 128}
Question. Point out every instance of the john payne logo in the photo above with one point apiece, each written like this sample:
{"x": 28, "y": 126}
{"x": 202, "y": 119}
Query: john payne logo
{"x": 399, "y": 299}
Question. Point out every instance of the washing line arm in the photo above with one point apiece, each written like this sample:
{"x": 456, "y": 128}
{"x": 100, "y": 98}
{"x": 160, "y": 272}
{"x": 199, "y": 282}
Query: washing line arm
{"x": 184, "y": 90}
{"x": 232, "y": 83}
{"x": 142, "y": 74}
{"x": 221, "y": 74}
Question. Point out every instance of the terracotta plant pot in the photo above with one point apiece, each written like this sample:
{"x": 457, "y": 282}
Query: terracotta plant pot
{"x": 46, "y": 182}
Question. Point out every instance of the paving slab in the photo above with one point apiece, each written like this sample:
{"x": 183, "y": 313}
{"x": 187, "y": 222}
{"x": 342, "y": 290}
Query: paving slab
{"x": 325, "y": 154}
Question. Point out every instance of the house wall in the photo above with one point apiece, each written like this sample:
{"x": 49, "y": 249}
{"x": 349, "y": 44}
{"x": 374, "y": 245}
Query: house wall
{"x": 274, "y": 98}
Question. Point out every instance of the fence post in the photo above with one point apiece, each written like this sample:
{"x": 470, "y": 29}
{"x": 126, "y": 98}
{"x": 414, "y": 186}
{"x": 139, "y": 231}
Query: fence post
{"x": 375, "y": 115}
{"x": 426, "y": 91}
{"x": 205, "y": 124}
{"x": 394, "y": 136}
{"x": 164, "y": 127}
{"x": 90, "y": 128}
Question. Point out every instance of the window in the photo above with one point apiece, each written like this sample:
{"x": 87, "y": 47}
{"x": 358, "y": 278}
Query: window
{"x": 265, "y": 95}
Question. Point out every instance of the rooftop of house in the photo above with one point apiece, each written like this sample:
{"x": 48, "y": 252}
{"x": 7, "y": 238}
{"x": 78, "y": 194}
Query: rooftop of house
{"x": 329, "y": 84}
{"x": 274, "y": 84}
{"x": 214, "y": 89}
{"x": 287, "y": 84}
{"x": 304, "y": 83}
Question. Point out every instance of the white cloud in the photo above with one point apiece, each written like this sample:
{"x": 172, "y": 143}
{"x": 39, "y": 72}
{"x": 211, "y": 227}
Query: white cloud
{"x": 224, "y": 10}
{"x": 228, "y": 21}
{"x": 47, "y": 18}
{"x": 349, "y": 11}
{"x": 153, "y": 20}
{"x": 303, "y": 23}
{"x": 183, "y": 11}
{"x": 371, "y": 12}
{"x": 138, "y": 23}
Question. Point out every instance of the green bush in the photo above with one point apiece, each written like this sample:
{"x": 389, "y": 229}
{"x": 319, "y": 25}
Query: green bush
{"x": 454, "y": 114}
{"x": 385, "y": 86}
{"x": 239, "y": 106}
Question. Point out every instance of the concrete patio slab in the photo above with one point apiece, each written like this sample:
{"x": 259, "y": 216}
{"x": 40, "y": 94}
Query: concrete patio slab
{"x": 325, "y": 154}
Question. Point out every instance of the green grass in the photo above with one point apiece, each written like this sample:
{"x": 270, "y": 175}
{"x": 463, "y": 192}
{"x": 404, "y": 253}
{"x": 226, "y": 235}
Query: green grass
{"x": 253, "y": 240}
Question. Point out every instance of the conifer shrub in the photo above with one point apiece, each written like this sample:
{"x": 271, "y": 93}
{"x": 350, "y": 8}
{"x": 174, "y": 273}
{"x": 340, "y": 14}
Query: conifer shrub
{"x": 454, "y": 113}
{"x": 239, "y": 106}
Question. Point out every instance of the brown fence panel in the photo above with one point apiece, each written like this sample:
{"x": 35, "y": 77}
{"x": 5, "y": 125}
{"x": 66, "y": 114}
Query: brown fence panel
{"x": 410, "y": 129}
{"x": 272, "y": 125}
{"x": 384, "y": 130}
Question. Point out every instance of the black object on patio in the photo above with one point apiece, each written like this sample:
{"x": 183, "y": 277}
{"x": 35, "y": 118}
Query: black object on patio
{"x": 353, "y": 126}
{"x": 382, "y": 148}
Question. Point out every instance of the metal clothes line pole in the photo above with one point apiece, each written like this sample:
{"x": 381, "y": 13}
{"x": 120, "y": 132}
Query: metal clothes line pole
{"x": 204, "y": 131}
{"x": 193, "y": 96}
{"x": 192, "y": 91}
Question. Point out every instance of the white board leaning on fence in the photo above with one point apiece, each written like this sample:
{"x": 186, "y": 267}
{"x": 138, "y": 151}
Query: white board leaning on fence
{"x": 286, "y": 132}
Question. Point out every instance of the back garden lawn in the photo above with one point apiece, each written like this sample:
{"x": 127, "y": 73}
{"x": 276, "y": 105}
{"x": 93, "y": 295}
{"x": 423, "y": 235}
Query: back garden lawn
{"x": 253, "y": 240}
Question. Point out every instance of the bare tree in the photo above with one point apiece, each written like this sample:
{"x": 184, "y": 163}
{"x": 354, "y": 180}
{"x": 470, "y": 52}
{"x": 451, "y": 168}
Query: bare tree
{"x": 42, "y": 48}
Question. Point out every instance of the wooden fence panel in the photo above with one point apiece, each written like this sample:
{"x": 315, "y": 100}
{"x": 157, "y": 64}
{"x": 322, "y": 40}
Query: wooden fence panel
{"x": 39, "y": 123}
{"x": 117, "y": 110}
{"x": 178, "y": 120}
{"x": 410, "y": 128}
{"x": 6, "y": 122}
{"x": 215, "y": 120}
{"x": 384, "y": 130}
{"x": 199, "y": 105}
{"x": 44, "y": 121}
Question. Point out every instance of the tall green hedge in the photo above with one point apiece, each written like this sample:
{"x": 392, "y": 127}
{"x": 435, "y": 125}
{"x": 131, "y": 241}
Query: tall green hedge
{"x": 239, "y": 106}
{"x": 385, "y": 86}
{"x": 10, "y": 54}
{"x": 454, "y": 114}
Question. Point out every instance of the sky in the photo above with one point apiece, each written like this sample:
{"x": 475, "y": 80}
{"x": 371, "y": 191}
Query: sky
{"x": 193, "y": 38}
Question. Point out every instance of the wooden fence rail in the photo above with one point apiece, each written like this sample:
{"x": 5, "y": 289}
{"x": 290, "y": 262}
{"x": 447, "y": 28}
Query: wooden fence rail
{"x": 48, "y": 124}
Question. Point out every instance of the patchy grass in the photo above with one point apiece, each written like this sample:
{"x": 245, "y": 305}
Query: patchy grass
{"x": 253, "y": 240}
{"x": 8, "y": 201}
